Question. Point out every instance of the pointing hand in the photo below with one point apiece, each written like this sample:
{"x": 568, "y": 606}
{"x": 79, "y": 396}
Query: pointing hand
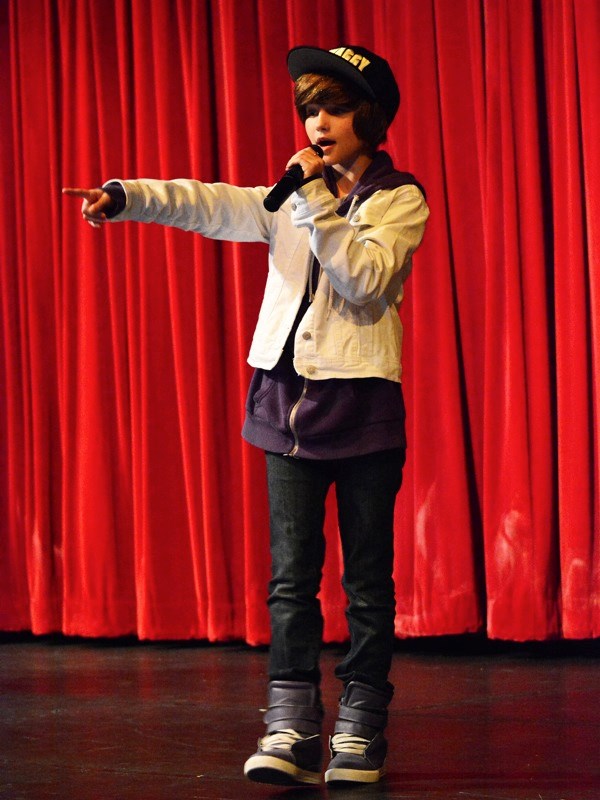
{"x": 96, "y": 202}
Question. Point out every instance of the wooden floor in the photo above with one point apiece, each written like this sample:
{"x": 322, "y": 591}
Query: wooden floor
{"x": 83, "y": 720}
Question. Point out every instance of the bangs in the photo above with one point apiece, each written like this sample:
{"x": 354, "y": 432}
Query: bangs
{"x": 323, "y": 90}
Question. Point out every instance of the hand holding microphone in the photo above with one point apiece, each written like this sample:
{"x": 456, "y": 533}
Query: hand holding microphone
{"x": 294, "y": 176}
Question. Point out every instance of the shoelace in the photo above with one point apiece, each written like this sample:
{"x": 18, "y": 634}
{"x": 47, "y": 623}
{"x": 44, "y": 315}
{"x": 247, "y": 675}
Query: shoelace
{"x": 282, "y": 740}
{"x": 349, "y": 743}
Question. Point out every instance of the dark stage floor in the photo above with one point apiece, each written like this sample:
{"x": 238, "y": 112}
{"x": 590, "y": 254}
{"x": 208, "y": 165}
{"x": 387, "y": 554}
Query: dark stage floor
{"x": 84, "y": 720}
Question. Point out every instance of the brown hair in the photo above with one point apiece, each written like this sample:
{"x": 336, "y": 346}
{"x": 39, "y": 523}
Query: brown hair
{"x": 370, "y": 123}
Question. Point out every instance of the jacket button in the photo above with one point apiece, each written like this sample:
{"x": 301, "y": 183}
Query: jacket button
{"x": 307, "y": 335}
{"x": 311, "y": 370}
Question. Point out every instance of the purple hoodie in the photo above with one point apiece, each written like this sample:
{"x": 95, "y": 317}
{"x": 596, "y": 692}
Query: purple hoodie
{"x": 336, "y": 417}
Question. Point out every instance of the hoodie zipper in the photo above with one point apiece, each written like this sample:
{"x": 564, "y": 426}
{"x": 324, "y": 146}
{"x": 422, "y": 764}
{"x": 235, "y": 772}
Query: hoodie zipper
{"x": 293, "y": 413}
{"x": 311, "y": 289}
{"x": 311, "y": 295}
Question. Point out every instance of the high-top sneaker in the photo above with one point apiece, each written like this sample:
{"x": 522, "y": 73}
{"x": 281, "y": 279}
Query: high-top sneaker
{"x": 358, "y": 746}
{"x": 291, "y": 751}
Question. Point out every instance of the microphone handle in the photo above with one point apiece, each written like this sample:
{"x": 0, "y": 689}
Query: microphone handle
{"x": 291, "y": 180}
{"x": 288, "y": 183}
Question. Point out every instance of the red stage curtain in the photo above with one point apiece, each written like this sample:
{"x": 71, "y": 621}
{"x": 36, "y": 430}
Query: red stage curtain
{"x": 128, "y": 501}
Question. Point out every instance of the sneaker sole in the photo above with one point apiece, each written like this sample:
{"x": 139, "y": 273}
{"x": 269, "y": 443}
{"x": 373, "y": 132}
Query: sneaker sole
{"x": 340, "y": 775}
{"x": 276, "y": 771}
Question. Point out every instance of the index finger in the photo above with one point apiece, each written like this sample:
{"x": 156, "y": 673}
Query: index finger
{"x": 85, "y": 193}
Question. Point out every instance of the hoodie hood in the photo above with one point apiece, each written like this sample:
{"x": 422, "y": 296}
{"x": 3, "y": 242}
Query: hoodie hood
{"x": 380, "y": 174}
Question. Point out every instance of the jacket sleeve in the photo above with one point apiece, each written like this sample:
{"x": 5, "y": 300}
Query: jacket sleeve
{"x": 215, "y": 210}
{"x": 362, "y": 254}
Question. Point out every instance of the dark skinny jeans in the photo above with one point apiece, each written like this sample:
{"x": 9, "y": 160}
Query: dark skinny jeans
{"x": 366, "y": 488}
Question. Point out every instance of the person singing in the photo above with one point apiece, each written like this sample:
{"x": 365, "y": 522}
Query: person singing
{"x": 325, "y": 402}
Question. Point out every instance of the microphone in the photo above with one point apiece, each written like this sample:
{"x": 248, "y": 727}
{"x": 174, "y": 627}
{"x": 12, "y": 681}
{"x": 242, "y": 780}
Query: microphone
{"x": 288, "y": 183}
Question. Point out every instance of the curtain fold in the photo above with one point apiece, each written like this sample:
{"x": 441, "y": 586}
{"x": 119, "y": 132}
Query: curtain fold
{"x": 571, "y": 67}
{"x": 128, "y": 502}
{"x": 521, "y": 554}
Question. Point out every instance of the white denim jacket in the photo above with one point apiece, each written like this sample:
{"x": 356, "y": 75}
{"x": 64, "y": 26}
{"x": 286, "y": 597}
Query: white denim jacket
{"x": 352, "y": 329}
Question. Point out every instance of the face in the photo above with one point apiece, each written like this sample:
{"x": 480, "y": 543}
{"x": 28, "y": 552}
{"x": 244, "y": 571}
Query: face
{"x": 331, "y": 127}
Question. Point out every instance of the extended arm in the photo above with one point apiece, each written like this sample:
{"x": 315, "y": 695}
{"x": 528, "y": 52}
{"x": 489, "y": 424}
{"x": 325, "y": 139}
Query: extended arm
{"x": 217, "y": 210}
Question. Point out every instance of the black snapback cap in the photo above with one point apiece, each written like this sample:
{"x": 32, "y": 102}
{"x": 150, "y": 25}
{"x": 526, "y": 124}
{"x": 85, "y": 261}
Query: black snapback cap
{"x": 358, "y": 66}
